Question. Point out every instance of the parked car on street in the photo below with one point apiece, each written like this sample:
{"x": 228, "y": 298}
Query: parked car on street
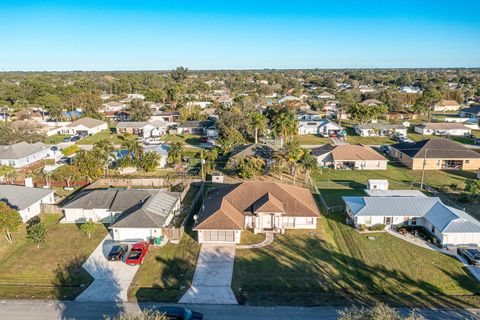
{"x": 65, "y": 160}
{"x": 66, "y": 139}
{"x": 179, "y": 313}
{"x": 117, "y": 252}
{"x": 472, "y": 255}
{"x": 137, "y": 253}
{"x": 204, "y": 139}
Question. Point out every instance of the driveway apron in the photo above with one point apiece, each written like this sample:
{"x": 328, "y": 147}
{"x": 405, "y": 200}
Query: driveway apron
{"x": 213, "y": 276}
{"x": 112, "y": 278}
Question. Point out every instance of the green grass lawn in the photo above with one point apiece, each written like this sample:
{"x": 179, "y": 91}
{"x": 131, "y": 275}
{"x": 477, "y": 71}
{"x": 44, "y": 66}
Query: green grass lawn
{"x": 53, "y": 271}
{"x": 311, "y": 139}
{"x": 167, "y": 272}
{"x": 56, "y": 139}
{"x": 103, "y": 135}
{"x": 336, "y": 265}
{"x": 248, "y": 237}
{"x": 190, "y": 139}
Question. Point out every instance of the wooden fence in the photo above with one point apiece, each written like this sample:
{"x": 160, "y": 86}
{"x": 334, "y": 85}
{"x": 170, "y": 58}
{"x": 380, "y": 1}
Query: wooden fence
{"x": 50, "y": 208}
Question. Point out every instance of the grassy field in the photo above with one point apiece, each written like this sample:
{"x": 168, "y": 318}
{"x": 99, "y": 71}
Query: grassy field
{"x": 310, "y": 139}
{"x": 56, "y": 139}
{"x": 103, "y": 135}
{"x": 248, "y": 237}
{"x": 190, "y": 139}
{"x": 167, "y": 272}
{"x": 336, "y": 265}
{"x": 53, "y": 271}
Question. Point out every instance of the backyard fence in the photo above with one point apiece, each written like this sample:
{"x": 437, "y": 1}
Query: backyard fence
{"x": 50, "y": 208}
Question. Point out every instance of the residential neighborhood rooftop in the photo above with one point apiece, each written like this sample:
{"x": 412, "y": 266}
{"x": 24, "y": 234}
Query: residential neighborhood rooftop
{"x": 20, "y": 197}
{"x": 435, "y": 148}
{"x": 21, "y": 149}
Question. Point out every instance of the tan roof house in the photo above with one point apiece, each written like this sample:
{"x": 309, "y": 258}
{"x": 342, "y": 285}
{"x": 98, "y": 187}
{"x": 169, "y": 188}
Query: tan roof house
{"x": 349, "y": 156}
{"x": 437, "y": 154}
{"x": 446, "y": 105}
{"x": 261, "y": 206}
{"x": 86, "y": 125}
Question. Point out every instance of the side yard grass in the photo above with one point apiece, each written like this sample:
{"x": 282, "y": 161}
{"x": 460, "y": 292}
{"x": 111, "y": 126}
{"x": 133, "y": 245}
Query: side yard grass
{"x": 53, "y": 271}
{"x": 336, "y": 265}
{"x": 103, "y": 135}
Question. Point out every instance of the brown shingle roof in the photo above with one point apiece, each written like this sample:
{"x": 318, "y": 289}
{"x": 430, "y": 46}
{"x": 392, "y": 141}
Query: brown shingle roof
{"x": 225, "y": 208}
{"x": 444, "y": 103}
{"x": 87, "y": 122}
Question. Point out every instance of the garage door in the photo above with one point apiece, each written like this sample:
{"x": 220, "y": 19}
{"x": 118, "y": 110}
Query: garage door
{"x": 131, "y": 234}
{"x": 219, "y": 236}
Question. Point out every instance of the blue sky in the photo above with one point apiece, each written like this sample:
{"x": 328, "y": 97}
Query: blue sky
{"x": 141, "y": 35}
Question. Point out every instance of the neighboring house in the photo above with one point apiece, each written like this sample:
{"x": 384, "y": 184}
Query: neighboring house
{"x": 366, "y": 89}
{"x": 138, "y": 214}
{"x": 114, "y": 106}
{"x": 326, "y": 95}
{"x": 322, "y": 127}
{"x": 194, "y": 127}
{"x": 372, "y": 102}
{"x": 117, "y": 116}
{"x": 136, "y": 96}
{"x": 309, "y": 115}
{"x": 380, "y": 130}
{"x": 289, "y": 99}
{"x": 436, "y": 154}
{"x": 23, "y": 154}
{"x": 201, "y": 104}
{"x": 472, "y": 112}
{"x": 449, "y": 225}
{"x": 27, "y": 201}
{"x": 142, "y": 129}
{"x": 349, "y": 156}
{"x": 169, "y": 117}
{"x": 86, "y": 125}
{"x": 162, "y": 150}
{"x": 410, "y": 89}
{"x": 261, "y": 206}
{"x": 259, "y": 150}
{"x": 443, "y": 129}
{"x": 446, "y": 105}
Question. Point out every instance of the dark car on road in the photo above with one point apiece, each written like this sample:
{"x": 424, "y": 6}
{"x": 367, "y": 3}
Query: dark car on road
{"x": 472, "y": 255}
{"x": 117, "y": 252}
{"x": 179, "y": 313}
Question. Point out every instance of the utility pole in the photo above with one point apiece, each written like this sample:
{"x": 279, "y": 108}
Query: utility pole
{"x": 423, "y": 169}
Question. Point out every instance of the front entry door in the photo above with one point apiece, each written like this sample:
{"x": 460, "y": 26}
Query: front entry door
{"x": 267, "y": 221}
{"x": 388, "y": 220}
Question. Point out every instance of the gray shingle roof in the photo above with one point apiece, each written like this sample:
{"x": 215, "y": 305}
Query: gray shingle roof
{"x": 87, "y": 122}
{"x": 19, "y": 197}
{"x": 436, "y": 148}
{"x": 21, "y": 150}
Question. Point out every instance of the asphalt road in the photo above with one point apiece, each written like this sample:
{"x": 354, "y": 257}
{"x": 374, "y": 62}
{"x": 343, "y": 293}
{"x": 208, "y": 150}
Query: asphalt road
{"x": 40, "y": 310}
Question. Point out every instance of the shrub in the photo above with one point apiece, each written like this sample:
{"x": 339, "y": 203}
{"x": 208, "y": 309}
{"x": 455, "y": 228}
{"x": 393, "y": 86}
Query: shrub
{"x": 377, "y": 227}
{"x": 362, "y": 227}
{"x": 68, "y": 151}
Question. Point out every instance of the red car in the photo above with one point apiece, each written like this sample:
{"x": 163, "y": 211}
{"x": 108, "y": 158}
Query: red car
{"x": 137, "y": 253}
{"x": 204, "y": 139}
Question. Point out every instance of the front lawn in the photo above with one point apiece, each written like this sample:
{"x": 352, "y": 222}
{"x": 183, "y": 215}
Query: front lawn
{"x": 53, "y": 271}
{"x": 189, "y": 139}
{"x": 336, "y": 265}
{"x": 167, "y": 272}
{"x": 56, "y": 139}
{"x": 103, "y": 135}
{"x": 311, "y": 139}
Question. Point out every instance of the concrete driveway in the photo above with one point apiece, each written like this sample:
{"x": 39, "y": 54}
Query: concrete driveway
{"x": 112, "y": 279}
{"x": 213, "y": 276}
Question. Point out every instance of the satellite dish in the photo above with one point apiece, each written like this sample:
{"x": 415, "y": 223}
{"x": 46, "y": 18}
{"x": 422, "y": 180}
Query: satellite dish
{"x": 195, "y": 217}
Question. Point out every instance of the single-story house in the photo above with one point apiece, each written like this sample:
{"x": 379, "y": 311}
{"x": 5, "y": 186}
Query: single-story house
{"x": 472, "y": 112}
{"x": 194, "y": 127}
{"x": 259, "y": 150}
{"x": 143, "y": 129}
{"x": 27, "y": 201}
{"x": 349, "y": 156}
{"x": 309, "y": 115}
{"x": 326, "y": 95}
{"x": 23, "y": 153}
{"x": 449, "y": 225}
{"x": 201, "y": 104}
{"x": 446, "y": 105}
{"x": 436, "y": 154}
{"x": 114, "y": 106}
{"x": 261, "y": 206}
{"x": 371, "y": 102}
{"x": 410, "y": 89}
{"x": 443, "y": 129}
{"x": 135, "y": 214}
{"x": 322, "y": 127}
{"x": 86, "y": 125}
{"x": 380, "y": 130}
{"x": 170, "y": 118}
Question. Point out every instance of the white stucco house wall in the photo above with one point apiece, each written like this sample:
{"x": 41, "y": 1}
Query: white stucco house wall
{"x": 322, "y": 127}
{"x": 27, "y": 201}
{"x": 86, "y": 125}
{"x": 23, "y": 154}
{"x": 443, "y": 129}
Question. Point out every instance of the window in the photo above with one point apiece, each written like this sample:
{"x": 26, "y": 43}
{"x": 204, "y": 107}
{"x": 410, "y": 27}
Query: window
{"x": 433, "y": 229}
{"x": 310, "y": 221}
{"x": 413, "y": 221}
{"x": 467, "y": 161}
{"x": 368, "y": 221}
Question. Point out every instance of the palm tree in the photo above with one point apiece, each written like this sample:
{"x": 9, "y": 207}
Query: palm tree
{"x": 293, "y": 154}
{"x": 175, "y": 153}
{"x": 284, "y": 125}
{"x": 257, "y": 123}
{"x": 133, "y": 147}
{"x": 308, "y": 163}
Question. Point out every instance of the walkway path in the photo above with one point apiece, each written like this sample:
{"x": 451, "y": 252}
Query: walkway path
{"x": 212, "y": 282}
{"x": 269, "y": 236}
{"x": 112, "y": 278}
{"x": 475, "y": 271}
